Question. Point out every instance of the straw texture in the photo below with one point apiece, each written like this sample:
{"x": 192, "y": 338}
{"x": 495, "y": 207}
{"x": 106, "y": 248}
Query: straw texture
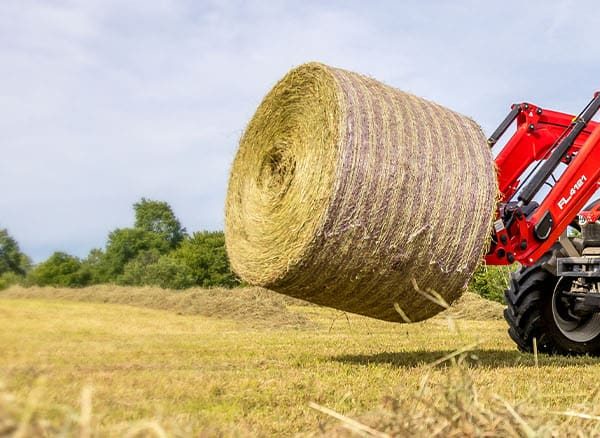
{"x": 351, "y": 194}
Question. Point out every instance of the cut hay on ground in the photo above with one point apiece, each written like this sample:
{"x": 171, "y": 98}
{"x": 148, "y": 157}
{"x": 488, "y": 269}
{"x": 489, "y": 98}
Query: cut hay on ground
{"x": 451, "y": 406}
{"x": 254, "y": 306}
{"x": 354, "y": 195}
{"x": 475, "y": 308}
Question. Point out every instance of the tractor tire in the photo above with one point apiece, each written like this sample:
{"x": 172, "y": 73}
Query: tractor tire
{"x": 535, "y": 310}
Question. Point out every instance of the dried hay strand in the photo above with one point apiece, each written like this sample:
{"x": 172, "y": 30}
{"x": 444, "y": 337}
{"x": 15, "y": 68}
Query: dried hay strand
{"x": 347, "y": 193}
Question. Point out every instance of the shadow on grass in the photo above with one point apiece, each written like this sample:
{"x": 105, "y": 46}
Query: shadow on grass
{"x": 475, "y": 358}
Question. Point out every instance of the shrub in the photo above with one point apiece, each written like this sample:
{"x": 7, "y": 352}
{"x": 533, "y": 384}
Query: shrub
{"x": 205, "y": 257}
{"x": 93, "y": 266}
{"x": 491, "y": 281}
{"x": 170, "y": 273}
{"x": 135, "y": 272}
{"x": 200, "y": 260}
{"x": 8, "y": 279}
{"x": 60, "y": 269}
{"x": 124, "y": 245}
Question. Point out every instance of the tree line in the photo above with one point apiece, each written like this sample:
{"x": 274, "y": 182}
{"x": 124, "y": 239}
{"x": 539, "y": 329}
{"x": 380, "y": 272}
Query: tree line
{"x": 156, "y": 251}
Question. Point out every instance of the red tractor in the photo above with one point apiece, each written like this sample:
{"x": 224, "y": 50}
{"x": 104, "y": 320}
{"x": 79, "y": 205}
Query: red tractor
{"x": 555, "y": 297}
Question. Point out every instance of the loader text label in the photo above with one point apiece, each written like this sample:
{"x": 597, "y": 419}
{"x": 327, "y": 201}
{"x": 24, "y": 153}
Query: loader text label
{"x": 578, "y": 185}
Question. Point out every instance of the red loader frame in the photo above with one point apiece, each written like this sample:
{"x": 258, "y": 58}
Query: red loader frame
{"x": 524, "y": 231}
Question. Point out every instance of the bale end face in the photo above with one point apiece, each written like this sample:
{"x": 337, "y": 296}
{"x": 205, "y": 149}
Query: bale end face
{"x": 282, "y": 176}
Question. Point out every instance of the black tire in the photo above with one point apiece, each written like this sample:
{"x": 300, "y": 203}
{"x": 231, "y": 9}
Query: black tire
{"x": 530, "y": 314}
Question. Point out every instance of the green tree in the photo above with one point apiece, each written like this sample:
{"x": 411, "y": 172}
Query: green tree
{"x": 60, "y": 269}
{"x": 170, "y": 273}
{"x": 124, "y": 244}
{"x": 135, "y": 272}
{"x": 11, "y": 257}
{"x": 200, "y": 260}
{"x": 150, "y": 268}
{"x": 158, "y": 217}
{"x": 93, "y": 266}
{"x": 204, "y": 255}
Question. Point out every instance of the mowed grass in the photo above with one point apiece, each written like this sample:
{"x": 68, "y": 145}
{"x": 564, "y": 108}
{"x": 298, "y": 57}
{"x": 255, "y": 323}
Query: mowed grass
{"x": 189, "y": 374}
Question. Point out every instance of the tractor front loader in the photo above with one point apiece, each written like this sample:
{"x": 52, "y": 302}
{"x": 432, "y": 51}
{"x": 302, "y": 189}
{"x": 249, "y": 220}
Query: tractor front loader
{"x": 548, "y": 221}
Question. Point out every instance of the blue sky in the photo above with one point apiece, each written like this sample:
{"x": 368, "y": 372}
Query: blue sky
{"x": 103, "y": 102}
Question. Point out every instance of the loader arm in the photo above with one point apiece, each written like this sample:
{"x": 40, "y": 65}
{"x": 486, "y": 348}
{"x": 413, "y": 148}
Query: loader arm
{"x": 523, "y": 230}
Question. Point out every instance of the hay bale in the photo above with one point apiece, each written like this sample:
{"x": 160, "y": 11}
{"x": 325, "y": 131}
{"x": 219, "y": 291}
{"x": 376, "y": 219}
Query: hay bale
{"x": 351, "y": 194}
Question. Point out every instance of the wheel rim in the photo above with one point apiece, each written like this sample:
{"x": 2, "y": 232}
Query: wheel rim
{"x": 573, "y": 327}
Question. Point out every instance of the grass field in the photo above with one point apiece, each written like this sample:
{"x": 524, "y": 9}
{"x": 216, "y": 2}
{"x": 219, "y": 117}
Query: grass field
{"x": 76, "y": 362}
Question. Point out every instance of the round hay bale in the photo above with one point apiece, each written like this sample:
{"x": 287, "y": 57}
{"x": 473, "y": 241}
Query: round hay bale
{"x": 351, "y": 194}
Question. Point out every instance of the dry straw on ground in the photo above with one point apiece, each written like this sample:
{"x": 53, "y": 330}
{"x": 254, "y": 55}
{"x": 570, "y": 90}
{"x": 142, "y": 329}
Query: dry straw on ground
{"x": 348, "y": 193}
{"x": 254, "y": 306}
